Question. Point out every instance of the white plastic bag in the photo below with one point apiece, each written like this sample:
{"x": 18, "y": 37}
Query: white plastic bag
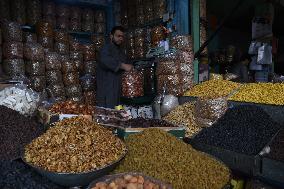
{"x": 264, "y": 54}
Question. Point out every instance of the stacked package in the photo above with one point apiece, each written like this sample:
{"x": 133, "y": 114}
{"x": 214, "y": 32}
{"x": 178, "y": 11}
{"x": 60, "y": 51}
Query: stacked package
{"x": 175, "y": 70}
{"x": 33, "y": 11}
{"x": 62, "y": 17}
{"x": 61, "y": 44}
{"x": 139, "y": 43}
{"x": 160, "y": 7}
{"x": 13, "y": 63}
{"x": 88, "y": 20}
{"x": 18, "y": 11}
{"x": 75, "y": 18}
{"x": 55, "y": 86}
{"x": 88, "y": 80}
{"x": 4, "y": 10}
{"x": 71, "y": 82}
{"x": 45, "y": 34}
{"x": 100, "y": 22}
{"x": 35, "y": 65}
{"x": 48, "y": 12}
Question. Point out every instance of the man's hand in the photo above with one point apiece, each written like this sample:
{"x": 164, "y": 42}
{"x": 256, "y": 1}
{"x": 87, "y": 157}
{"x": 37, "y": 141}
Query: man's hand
{"x": 126, "y": 67}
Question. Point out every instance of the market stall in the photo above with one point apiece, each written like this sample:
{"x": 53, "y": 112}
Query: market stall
{"x": 169, "y": 131}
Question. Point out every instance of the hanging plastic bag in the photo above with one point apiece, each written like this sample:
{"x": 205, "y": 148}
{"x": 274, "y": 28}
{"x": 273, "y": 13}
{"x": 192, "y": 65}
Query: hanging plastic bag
{"x": 264, "y": 54}
{"x": 253, "y": 48}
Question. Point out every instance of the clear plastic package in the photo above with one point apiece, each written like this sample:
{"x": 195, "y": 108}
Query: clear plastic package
{"x": 75, "y": 45}
{"x": 18, "y": 11}
{"x": 73, "y": 90}
{"x": 33, "y": 11}
{"x": 52, "y": 61}
{"x": 88, "y": 14}
{"x": 75, "y": 13}
{"x": 56, "y": 90}
{"x": 90, "y": 67}
{"x": 68, "y": 66}
{"x": 33, "y": 51}
{"x": 62, "y": 23}
{"x": 61, "y": 47}
{"x": 11, "y": 31}
{"x": 53, "y": 77}
{"x": 46, "y": 42}
{"x": 89, "y": 52}
{"x": 38, "y": 83}
{"x": 44, "y": 29}
{"x": 61, "y": 36}
{"x": 88, "y": 82}
{"x": 88, "y": 26}
{"x": 100, "y": 28}
{"x": 76, "y": 55}
{"x": 48, "y": 7}
{"x": 30, "y": 37}
{"x": 75, "y": 25}
{"x": 63, "y": 11}
{"x": 100, "y": 16}
{"x": 181, "y": 42}
{"x": 14, "y": 67}
{"x": 34, "y": 68}
{"x": 132, "y": 84}
{"x": 71, "y": 78}
{"x": 5, "y": 10}
{"x": 13, "y": 50}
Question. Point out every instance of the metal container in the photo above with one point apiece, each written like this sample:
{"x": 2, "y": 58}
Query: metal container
{"x": 109, "y": 178}
{"x": 76, "y": 179}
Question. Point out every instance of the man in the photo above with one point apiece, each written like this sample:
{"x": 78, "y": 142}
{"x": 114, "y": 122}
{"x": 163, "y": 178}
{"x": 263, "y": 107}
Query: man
{"x": 111, "y": 62}
{"x": 241, "y": 68}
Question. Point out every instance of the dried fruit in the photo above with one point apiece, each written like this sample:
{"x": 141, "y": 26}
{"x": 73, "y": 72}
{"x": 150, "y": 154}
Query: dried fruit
{"x": 74, "y": 145}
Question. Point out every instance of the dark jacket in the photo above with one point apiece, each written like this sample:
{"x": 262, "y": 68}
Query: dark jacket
{"x": 241, "y": 70}
{"x": 109, "y": 75}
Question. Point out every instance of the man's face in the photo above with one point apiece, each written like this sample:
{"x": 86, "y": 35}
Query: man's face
{"x": 118, "y": 37}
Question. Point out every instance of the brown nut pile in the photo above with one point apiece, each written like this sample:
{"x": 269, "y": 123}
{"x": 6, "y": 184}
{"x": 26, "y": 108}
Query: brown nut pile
{"x": 70, "y": 107}
{"x": 184, "y": 115}
{"x": 74, "y": 145}
{"x": 130, "y": 181}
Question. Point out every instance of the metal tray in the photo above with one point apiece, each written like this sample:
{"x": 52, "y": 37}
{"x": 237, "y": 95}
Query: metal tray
{"x": 76, "y": 179}
{"x": 272, "y": 171}
{"x": 123, "y": 133}
{"x": 248, "y": 165}
{"x": 110, "y": 178}
{"x": 276, "y": 112}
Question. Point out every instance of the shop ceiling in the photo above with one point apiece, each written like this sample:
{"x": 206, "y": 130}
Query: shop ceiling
{"x": 241, "y": 19}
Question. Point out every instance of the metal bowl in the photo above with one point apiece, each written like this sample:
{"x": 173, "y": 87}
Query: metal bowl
{"x": 109, "y": 178}
{"x": 76, "y": 179}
